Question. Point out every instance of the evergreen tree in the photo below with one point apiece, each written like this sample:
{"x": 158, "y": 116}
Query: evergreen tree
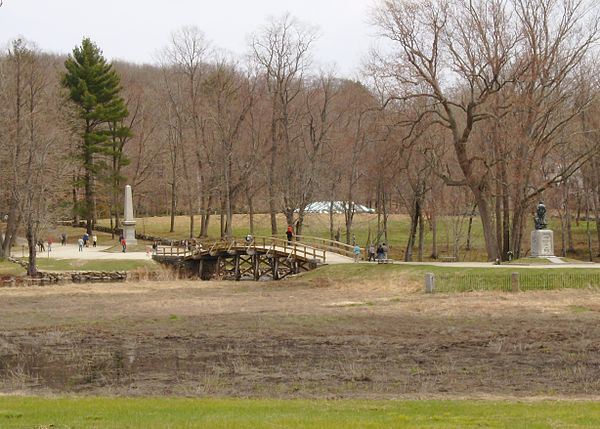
{"x": 94, "y": 87}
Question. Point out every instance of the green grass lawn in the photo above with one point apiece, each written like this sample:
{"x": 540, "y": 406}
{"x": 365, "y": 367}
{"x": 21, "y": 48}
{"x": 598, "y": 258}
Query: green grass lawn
{"x": 11, "y": 269}
{"x": 49, "y": 264}
{"x": 107, "y": 413}
{"x": 449, "y": 230}
{"x": 457, "y": 279}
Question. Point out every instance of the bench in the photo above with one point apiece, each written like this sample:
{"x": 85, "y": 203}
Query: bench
{"x": 448, "y": 258}
{"x": 384, "y": 261}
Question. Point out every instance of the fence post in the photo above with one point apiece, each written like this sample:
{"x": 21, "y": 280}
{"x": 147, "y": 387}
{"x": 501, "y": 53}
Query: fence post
{"x": 429, "y": 282}
{"x": 514, "y": 282}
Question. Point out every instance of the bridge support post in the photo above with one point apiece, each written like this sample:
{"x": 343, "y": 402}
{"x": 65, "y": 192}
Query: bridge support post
{"x": 236, "y": 267}
{"x": 256, "y": 266}
{"x": 219, "y": 266}
{"x": 275, "y": 267}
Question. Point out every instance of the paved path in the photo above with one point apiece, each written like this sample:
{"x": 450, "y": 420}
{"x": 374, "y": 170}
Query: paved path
{"x": 71, "y": 251}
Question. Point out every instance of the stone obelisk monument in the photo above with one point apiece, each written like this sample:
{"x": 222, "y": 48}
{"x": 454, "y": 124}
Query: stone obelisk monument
{"x": 128, "y": 220}
{"x": 542, "y": 238}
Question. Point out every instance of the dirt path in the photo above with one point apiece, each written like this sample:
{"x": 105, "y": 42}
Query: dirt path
{"x": 298, "y": 339}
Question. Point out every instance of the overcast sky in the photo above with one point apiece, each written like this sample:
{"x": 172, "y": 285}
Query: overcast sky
{"x": 134, "y": 29}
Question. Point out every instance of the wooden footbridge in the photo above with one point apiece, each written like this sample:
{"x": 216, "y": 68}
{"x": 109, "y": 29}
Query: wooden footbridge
{"x": 253, "y": 257}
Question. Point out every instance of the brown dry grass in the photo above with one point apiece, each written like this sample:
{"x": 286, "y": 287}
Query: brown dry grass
{"x": 374, "y": 339}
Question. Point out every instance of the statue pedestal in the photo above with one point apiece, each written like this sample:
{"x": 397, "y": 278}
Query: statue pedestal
{"x": 129, "y": 232}
{"x": 542, "y": 243}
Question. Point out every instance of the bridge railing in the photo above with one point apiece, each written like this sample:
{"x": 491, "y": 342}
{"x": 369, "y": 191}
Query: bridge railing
{"x": 316, "y": 249}
{"x": 173, "y": 251}
{"x": 293, "y": 249}
{"x": 326, "y": 244}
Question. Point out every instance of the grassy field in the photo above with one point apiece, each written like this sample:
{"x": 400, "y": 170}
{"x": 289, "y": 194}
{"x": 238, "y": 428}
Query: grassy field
{"x": 458, "y": 279}
{"x": 10, "y": 269}
{"x": 450, "y": 230}
{"x": 107, "y": 413}
{"x": 402, "y": 272}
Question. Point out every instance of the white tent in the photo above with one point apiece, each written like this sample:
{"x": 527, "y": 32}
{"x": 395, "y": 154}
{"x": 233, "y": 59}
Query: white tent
{"x": 335, "y": 207}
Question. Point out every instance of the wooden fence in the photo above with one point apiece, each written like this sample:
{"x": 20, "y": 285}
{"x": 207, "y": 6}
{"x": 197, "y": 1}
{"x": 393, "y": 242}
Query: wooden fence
{"x": 522, "y": 281}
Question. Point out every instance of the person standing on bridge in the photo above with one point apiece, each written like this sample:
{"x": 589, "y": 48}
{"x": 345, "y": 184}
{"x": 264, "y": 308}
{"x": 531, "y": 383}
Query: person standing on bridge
{"x": 356, "y": 252}
{"x": 289, "y": 234}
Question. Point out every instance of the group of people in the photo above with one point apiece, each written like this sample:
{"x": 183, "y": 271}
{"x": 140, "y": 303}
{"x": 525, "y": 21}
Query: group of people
{"x": 84, "y": 241}
{"x": 374, "y": 254}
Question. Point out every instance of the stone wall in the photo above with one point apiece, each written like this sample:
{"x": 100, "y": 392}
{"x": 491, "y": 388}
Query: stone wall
{"x": 46, "y": 277}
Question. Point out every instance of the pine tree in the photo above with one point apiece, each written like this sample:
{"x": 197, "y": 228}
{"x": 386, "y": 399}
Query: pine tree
{"x": 94, "y": 87}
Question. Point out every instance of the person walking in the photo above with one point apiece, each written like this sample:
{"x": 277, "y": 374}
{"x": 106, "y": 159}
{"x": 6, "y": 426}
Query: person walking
{"x": 380, "y": 253}
{"x": 289, "y": 234}
{"x": 86, "y": 238}
{"x": 124, "y": 245}
{"x": 80, "y": 242}
{"x": 356, "y": 252}
{"x": 49, "y": 244}
{"x": 371, "y": 253}
{"x": 94, "y": 240}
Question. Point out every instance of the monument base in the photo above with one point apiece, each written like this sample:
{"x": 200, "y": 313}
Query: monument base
{"x": 129, "y": 232}
{"x": 542, "y": 243}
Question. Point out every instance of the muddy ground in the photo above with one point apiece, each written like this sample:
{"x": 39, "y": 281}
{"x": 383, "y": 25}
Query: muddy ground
{"x": 294, "y": 339}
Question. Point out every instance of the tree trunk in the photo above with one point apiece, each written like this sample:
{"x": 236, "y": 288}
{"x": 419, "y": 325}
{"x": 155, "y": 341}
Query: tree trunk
{"x": 32, "y": 252}
{"x": 250, "y": 212}
{"x": 89, "y": 195}
{"x": 434, "y": 250}
{"x": 173, "y": 206}
{"x": 205, "y": 218}
{"x": 349, "y": 218}
{"x": 300, "y": 221}
{"x": 12, "y": 224}
{"x": 517, "y": 228}
{"x": 414, "y": 218}
{"x": 385, "y": 219}
{"x": 498, "y": 215}
{"x": 271, "y": 175}
{"x": 571, "y": 247}
{"x": 505, "y": 214}
{"x": 421, "y": 236}
{"x": 75, "y": 206}
{"x": 222, "y": 219}
{"x": 487, "y": 222}
{"x": 587, "y": 229}
{"x": 331, "y": 233}
{"x": 469, "y": 229}
{"x": 595, "y": 195}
